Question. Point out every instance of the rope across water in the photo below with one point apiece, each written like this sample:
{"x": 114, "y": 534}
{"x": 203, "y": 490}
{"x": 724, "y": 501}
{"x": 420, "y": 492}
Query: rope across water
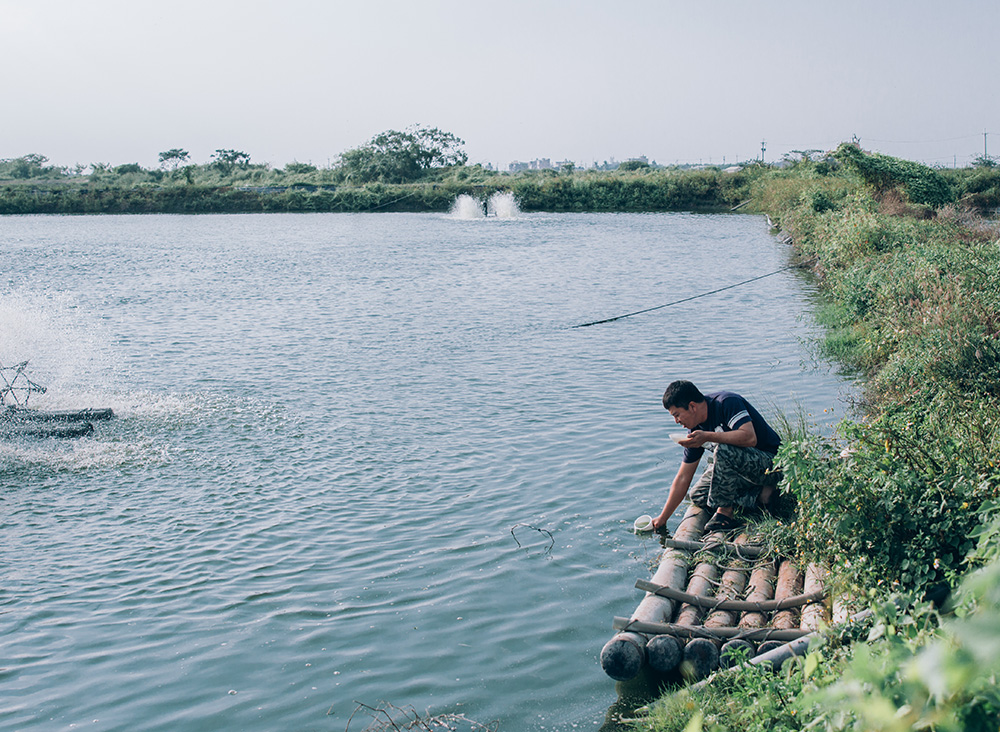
{"x": 695, "y": 297}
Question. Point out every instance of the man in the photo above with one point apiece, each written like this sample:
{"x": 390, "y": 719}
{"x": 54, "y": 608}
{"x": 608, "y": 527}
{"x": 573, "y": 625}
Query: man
{"x": 744, "y": 453}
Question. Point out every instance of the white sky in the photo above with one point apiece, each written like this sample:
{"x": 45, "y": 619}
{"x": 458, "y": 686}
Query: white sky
{"x": 118, "y": 81}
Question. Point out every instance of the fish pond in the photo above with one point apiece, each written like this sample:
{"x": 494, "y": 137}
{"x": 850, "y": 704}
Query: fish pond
{"x": 359, "y": 459}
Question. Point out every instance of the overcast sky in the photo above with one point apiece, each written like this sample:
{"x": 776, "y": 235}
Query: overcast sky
{"x": 118, "y": 81}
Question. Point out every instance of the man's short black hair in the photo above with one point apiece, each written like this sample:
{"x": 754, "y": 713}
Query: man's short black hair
{"x": 680, "y": 394}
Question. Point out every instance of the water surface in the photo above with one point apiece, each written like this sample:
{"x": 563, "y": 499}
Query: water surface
{"x": 357, "y": 458}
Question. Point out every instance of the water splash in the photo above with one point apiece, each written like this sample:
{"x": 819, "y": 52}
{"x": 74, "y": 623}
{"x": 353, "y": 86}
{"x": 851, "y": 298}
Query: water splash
{"x": 71, "y": 352}
{"x": 467, "y": 207}
{"x": 500, "y": 205}
{"x": 503, "y": 205}
{"x": 68, "y": 350}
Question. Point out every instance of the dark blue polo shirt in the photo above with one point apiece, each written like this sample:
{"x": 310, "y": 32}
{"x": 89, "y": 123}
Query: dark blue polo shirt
{"x": 726, "y": 412}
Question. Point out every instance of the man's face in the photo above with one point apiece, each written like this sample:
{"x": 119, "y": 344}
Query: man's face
{"x": 685, "y": 416}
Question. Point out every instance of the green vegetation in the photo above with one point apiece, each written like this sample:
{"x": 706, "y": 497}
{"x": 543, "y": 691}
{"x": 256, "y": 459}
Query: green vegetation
{"x": 419, "y": 169}
{"x": 222, "y": 187}
{"x": 902, "y": 502}
{"x": 921, "y": 184}
{"x": 402, "y": 157}
{"x": 919, "y": 670}
{"x": 424, "y": 169}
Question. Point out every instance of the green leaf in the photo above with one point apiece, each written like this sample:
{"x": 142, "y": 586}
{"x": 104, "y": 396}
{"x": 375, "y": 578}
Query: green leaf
{"x": 696, "y": 722}
{"x": 812, "y": 663}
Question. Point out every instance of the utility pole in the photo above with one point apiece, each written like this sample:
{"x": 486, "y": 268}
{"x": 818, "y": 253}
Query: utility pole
{"x": 763, "y": 147}
{"x": 985, "y": 156}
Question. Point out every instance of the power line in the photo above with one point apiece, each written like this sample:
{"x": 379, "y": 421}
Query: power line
{"x": 695, "y": 297}
{"x": 922, "y": 142}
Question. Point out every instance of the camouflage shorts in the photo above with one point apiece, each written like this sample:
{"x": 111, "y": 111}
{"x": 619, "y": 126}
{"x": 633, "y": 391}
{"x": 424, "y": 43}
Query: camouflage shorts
{"x": 735, "y": 478}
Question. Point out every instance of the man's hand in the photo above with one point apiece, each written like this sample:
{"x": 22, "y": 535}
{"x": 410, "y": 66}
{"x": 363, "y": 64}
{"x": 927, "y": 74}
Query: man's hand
{"x": 695, "y": 438}
{"x": 742, "y": 436}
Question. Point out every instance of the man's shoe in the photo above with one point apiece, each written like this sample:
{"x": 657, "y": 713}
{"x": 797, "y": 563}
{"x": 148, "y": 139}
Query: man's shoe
{"x": 723, "y": 523}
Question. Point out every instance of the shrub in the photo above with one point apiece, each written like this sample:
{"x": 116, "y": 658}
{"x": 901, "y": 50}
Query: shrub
{"x": 884, "y": 173}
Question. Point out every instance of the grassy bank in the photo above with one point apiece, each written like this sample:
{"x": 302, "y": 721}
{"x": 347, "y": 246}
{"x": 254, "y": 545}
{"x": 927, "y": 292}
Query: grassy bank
{"x": 903, "y": 501}
{"x": 200, "y": 189}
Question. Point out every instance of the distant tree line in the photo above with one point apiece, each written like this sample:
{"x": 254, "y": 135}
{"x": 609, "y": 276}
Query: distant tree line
{"x": 424, "y": 169}
{"x": 389, "y": 157}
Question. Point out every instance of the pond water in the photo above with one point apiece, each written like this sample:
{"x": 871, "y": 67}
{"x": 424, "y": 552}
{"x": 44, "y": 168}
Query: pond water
{"x": 358, "y": 458}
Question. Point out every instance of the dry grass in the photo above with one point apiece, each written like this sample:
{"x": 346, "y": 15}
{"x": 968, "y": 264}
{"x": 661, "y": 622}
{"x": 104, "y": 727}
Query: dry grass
{"x": 385, "y": 717}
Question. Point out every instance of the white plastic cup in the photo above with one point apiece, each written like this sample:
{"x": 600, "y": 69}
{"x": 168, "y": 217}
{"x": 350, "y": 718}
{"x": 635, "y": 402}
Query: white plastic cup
{"x": 643, "y": 524}
{"x": 678, "y": 436}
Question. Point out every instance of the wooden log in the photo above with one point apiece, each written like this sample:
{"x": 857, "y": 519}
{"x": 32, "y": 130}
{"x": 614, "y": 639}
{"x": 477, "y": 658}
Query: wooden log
{"x": 702, "y": 584}
{"x": 747, "y": 551}
{"x": 814, "y": 615}
{"x": 734, "y": 582}
{"x": 700, "y": 631}
{"x": 843, "y": 607}
{"x": 736, "y": 651}
{"x": 664, "y": 653}
{"x": 716, "y": 603}
{"x": 768, "y": 646}
{"x": 797, "y": 647}
{"x": 761, "y": 590}
{"x": 624, "y": 655}
{"x": 701, "y": 657}
{"x": 789, "y": 584}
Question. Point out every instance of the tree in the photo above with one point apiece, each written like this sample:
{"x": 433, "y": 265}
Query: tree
{"x": 400, "y": 157}
{"x": 634, "y": 165}
{"x": 174, "y": 157}
{"x": 26, "y": 166}
{"x": 225, "y": 160}
{"x": 805, "y": 156}
{"x": 295, "y": 167}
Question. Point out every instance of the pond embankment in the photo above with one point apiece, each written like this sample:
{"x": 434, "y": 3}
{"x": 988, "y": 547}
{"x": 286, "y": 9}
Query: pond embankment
{"x": 902, "y": 502}
{"x": 661, "y": 189}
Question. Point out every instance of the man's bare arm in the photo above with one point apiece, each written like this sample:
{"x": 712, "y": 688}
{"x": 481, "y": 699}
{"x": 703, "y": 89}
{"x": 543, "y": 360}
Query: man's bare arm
{"x": 678, "y": 489}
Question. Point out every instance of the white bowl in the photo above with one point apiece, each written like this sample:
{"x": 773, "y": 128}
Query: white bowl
{"x": 643, "y": 523}
{"x": 678, "y": 436}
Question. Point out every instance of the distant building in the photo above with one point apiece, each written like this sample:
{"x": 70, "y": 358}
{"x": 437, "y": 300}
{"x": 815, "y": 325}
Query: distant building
{"x": 538, "y": 164}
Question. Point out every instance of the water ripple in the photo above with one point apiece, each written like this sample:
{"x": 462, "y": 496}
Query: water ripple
{"x": 327, "y": 428}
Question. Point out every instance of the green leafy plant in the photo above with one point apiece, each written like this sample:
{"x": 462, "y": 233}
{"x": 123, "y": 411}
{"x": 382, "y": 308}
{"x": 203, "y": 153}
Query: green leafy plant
{"x": 884, "y": 173}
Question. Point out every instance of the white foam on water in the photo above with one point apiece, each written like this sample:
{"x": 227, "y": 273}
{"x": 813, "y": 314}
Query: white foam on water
{"x": 503, "y": 205}
{"x": 71, "y": 353}
{"x": 84, "y": 453}
{"x": 68, "y": 351}
{"x": 500, "y": 205}
{"x": 466, "y": 207}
